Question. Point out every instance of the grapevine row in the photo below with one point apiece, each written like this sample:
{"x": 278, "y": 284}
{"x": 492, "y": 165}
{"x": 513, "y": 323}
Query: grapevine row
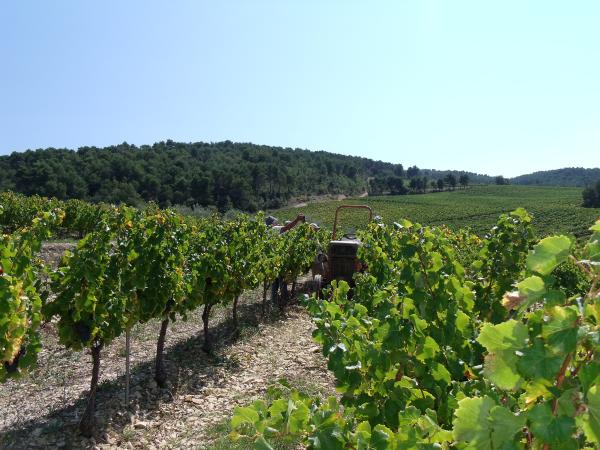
{"x": 79, "y": 217}
{"x": 132, "y": 267}
{"x": 449, "y": 340}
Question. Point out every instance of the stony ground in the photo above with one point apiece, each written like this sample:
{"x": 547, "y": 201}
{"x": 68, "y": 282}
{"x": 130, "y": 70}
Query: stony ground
{"x": 43, "y": 409}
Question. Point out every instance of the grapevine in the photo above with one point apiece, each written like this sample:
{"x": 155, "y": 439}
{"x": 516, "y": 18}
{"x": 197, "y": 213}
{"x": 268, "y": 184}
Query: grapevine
{"x": 423, "y": 355}
{"x": 447, "y": 339}
{"x": 22, "y": 294}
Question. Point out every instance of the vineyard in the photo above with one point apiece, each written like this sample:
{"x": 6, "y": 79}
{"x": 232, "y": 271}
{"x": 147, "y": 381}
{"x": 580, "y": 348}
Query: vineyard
{"x": 130, "y": 267}
{"x": 449, "y": 338}
{"x": 553, "y": 209}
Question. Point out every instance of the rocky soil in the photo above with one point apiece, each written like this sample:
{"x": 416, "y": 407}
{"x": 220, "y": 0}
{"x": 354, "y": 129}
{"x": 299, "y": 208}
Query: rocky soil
{"x": 42, "y": 410}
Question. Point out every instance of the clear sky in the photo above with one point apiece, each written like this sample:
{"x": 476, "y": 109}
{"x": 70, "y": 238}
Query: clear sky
{"x": 502, "y": 87}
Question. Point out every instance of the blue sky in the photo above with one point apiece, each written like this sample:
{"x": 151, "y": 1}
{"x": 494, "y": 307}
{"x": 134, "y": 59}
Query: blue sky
{"x": 493, "y": 87}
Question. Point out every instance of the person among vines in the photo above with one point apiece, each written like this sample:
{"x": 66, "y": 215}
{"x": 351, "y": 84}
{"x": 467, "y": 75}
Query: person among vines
{"x": 279, "y": 282}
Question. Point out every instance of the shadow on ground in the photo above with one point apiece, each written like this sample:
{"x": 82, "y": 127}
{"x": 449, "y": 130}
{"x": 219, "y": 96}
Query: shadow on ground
{"x": 188, "y": 367}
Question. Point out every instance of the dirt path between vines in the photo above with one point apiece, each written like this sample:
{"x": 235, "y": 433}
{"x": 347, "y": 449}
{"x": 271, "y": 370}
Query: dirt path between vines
{"x": 42, "y": 410}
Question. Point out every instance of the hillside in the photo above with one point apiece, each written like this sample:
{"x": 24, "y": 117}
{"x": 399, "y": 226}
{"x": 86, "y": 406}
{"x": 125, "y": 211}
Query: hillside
{"x": 569, "y": 176}
{"x": 224, "y": 175}
{"x": 554, "y": 209}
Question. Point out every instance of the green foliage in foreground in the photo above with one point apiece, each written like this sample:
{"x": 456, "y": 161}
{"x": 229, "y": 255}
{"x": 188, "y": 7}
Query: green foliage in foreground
{"x": 554, "y": 209}
{"x": 423, "y": 359}
{"x": 21, "y": 296}
{"x": 218, "y": 435}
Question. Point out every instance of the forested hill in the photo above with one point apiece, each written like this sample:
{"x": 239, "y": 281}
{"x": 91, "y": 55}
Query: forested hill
{"x": 224, "y": 174}
{"x": 570, "y": 176}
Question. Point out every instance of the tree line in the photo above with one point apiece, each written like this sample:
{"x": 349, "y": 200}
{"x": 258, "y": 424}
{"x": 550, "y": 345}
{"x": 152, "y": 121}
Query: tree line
{"x": 415, "y": 181}
{"x": 591, "y": 196}
{"x": 223, "y": 175}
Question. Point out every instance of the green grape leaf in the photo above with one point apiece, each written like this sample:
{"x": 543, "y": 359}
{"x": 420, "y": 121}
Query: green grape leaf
{"x": 429, "y": 350}
{"x": 592, "y": 310}
{"x": 553, "y": 430}
{"x": 436, "y": 261}
{"x": 462, "y": 322}
{"x": 501, "y": 369}
{"x": 531, "y": 289}
{"x": 381, "y": 437}
{"x": 567, "y": 402}
{"x": 560, "y": 331}
{"x": 440, "y": 373}
{"x": 327, "y": 438}
{"x": 244, "y": 415}
{"x": 538, "y": 362}
{"x": 592, "y": 249}
{"x": 471, "y": 422}
{"x": 502, "y": 341}
{"x": 509, "y": 335}
{"x": 591, "y": 421}
{"x": 548, "y": 253}
{"x": 407, "y": 417}
{"x": 534, "y": 390}
{"x": 588, "y": 375}
{"x": 521, "y": 213}
{"x": 505, "y": 426}
{"x": 362, "y": 434}
{"x": 298, "y": 417}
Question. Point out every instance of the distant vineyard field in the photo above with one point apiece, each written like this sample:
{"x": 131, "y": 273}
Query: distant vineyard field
{"x": 554, "y": 209}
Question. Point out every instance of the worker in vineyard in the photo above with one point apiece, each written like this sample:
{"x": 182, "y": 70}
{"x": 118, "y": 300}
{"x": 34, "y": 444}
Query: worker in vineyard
{"x": 273, "y": 223}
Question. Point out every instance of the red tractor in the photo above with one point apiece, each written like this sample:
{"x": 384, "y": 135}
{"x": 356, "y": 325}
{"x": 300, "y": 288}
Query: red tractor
{"x": 340, "y": 262}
